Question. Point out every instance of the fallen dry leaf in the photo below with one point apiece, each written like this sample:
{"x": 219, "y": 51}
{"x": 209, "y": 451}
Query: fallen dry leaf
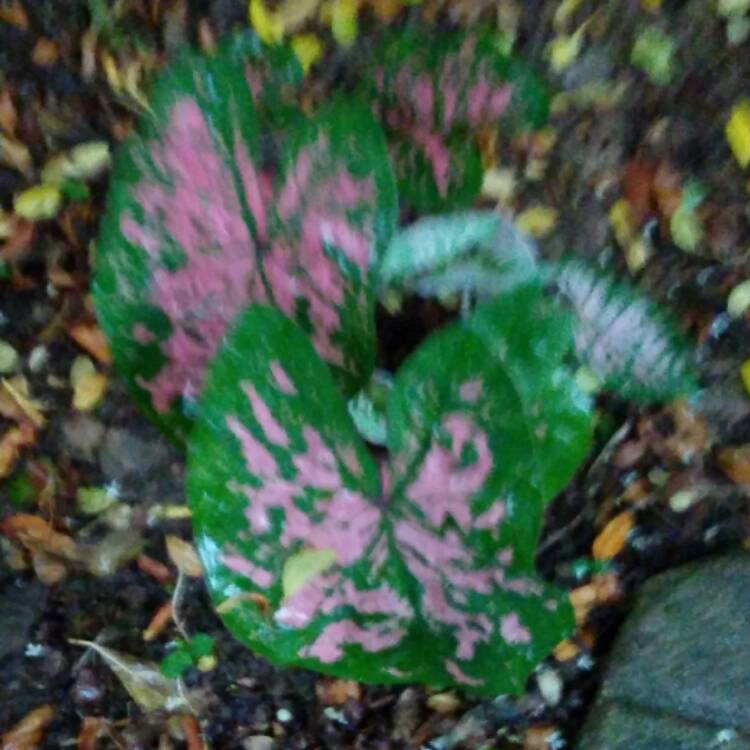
{"x": 582, "y": 599}
{"x": 184, "y": 556}
{"x": 191, "y": 729}
{"x": 29, "y": 732}
{"x": 16, "y": 404}
{"x": 566, "y": 650}
{"x": 13, "y": 13}
{"x": 735, "y": 463}
{"x": 538, "y": 738}
{"x": 444, "y": 703}
{"x": 11, "y": 444}
{"x": 91, "y": 729}
{"x": 145, "y": 684}
{"x": 158, "y": 622}
{"x": 157, "y": 570}
{"x": 36, "y": 535}
{"x": 337, "y": 692}
{"x": 90, "y": 338}
{"x": 613, "y": 537}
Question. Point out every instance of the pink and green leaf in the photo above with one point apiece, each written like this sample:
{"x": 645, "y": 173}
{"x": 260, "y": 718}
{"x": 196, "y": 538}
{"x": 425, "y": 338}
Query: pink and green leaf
{"x": 200, "y": 224}
{"x": 415, "y": 571}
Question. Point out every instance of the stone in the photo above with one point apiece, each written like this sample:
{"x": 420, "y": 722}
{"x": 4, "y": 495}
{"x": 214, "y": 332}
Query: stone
{"x": 679, "y": 673}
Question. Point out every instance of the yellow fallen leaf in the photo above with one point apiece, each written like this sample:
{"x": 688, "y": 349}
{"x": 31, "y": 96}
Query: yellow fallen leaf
{"x": 538, "y": 221}
{"x": 267, "y": 24}
{"x": 564, "y": 49}
{"x": 652, "y": 6}
{"x": 184, "y": 556}
{"x": 294, "y": 13}
{"x": 739, "y": 299}
{"x": 88, "y": 391}
{"x": 38, "y": 203}
{"x": 308, "y": 49}
{"x": 344, "y": 20}
{"x": 15, "y": 155}
{"x": 738, "y": 132}
{"x": 499, "y": 184}
{"x": 300, "y": 568}
{"x": 745, "y": 375}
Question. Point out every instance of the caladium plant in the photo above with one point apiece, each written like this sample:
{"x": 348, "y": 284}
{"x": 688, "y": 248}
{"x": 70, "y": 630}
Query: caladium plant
{"x": 243, "y": 246}
{"x": 210, "y": 211}
{"x": 418, "y": 568}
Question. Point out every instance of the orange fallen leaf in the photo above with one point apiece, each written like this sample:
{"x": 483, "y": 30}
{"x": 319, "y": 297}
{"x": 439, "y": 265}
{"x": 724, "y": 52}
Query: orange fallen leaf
{"x": 14, "y": 13}
{"x": 193, "y": 737}
{"x": 36, "y": 534}
{"x": 11, "y": 444}
{"x": 45, "y": 52}
{"x": 566, "y": 650}
{"x": 613, "y": 537}
{"x": 637, "y": 182}
{"x": 8, "y": 113}
{"x": 29, "y": 732}
{"x": 338, "y": 692}
{"x": 158, "y": 622}
{"x": 91, "y": 338}
{"x": 157, "y": 570}
{"x": 582, "y": 599}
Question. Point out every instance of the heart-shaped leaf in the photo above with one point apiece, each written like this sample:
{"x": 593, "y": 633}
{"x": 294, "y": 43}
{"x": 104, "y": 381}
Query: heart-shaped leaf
{"x": 420, "y": 570}
{"x": 533, "y": 337}
{"x": 204, "y": 217}
{"x": 435, "y": 92}
{"x": 626, "y": 340}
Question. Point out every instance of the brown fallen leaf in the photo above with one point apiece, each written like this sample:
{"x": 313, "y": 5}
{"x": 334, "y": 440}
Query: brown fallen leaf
{"x": 613, "y": 537}
{"x": 19, "y": 243}
{"x": 29, "y": 732}
{"x": 45, "y": 52}
{"x": 157, "y": 570}
{"x": 91, "y": 729}
{"x": 14, "y": 13}
{"x": 36, "y": 535}
{"x": 566, "y": 650}
{"x": 15, "y": 155}
{"x": 337, "y": 692}
{"x": 11, "y": 444}
{"x": 192, "y": 731}
{"x": 582, "y": 599}
{"x": 538, "y": 738}
{"x": 16, "y": 404}
{"x": 735, "y": 463}
{"x": 143, "y": 680}
{"x": 184, "y": 556}
{"x": 91, "y": 338}
{"x": 8, "y": 113}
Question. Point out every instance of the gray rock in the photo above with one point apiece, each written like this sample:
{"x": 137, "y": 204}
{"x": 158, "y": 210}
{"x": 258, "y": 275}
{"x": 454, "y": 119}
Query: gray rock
{"x": 82, "y": 436}
{"x": 618, "y": 727}
{"x": 679, "y": 672}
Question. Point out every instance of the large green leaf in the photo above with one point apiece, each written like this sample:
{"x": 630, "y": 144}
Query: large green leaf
{"x": 209, "y": 211}
{"x": 533, "y": 338}
{"x": 420, "y": 570}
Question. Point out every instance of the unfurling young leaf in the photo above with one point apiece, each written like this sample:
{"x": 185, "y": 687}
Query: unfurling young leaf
{"x": 480, "y": 252}
{"x": 199, "y": 225}
{"x": 623, "y": 337}
{"x": 420, "y": 569}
